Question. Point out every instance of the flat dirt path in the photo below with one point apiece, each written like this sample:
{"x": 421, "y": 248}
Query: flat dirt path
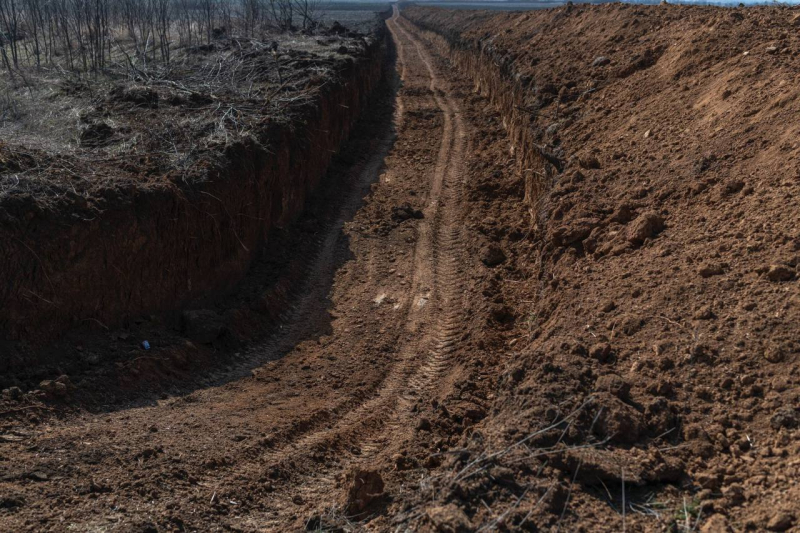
{"x": 336, "y": 388}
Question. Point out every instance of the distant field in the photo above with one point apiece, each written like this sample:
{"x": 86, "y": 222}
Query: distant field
{"x": 353, "y": 15}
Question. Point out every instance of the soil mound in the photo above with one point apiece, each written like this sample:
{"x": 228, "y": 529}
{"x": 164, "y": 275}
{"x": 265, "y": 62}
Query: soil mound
{"x": 654, "y": 349}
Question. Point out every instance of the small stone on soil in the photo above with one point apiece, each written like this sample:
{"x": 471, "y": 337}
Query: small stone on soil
{"x": 716, "y": 523}
{"x": 711, "y": 269}
{"x": 646, "y": 226}
{"x": 785, "y": 417}
{"x": 600, "y": 351}
{"x": 364, "y": 487}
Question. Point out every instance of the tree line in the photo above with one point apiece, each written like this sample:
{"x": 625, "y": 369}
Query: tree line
{"x": 88, "y": 35}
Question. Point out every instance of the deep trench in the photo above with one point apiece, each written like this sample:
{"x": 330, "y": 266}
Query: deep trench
{"x": 260, "y": 267}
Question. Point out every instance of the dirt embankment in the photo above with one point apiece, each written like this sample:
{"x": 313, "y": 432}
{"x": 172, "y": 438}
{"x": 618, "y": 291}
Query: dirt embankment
{"x": 128, "y": 247}
{"x": 648, "y": 320}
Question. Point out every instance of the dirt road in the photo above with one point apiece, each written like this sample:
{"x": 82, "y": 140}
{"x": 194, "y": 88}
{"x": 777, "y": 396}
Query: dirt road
{"x": 371, "y": 337}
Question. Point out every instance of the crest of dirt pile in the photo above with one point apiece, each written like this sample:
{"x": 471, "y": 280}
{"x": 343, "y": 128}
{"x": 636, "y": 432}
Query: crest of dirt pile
{"x": 645, "y": 317}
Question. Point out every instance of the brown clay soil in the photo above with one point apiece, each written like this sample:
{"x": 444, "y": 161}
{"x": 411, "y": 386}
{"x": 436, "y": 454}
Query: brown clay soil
{"x": 617, "y": 352}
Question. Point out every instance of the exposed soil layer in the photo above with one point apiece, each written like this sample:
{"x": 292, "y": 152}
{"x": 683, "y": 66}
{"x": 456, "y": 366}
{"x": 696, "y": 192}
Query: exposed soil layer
{"x": 557, "y": 291}
{"x": 173, "y": 202}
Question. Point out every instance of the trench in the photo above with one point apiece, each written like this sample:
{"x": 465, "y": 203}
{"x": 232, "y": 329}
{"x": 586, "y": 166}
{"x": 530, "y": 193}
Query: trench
{"x": 372, "y": 332}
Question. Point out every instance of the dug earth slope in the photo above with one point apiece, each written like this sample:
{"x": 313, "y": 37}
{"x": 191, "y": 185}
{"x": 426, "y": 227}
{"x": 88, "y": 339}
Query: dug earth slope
{"x": 654, "y": 304}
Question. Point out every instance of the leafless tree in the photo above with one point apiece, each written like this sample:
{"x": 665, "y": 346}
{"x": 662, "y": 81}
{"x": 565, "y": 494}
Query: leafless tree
{"x": 90, "y": 35}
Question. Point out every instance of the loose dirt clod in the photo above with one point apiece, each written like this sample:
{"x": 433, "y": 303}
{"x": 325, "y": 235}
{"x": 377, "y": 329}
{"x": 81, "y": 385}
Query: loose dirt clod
{"x": 363, "y": 489}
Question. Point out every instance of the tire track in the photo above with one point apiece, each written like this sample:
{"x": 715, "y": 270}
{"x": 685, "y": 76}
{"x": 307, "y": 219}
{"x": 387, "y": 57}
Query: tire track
{"x": 382, "y": 423}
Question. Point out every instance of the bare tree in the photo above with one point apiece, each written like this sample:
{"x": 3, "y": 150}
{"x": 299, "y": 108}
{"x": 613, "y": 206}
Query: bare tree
{"x": 87, "y": 35}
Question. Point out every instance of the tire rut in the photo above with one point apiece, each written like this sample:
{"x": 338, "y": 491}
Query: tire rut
{"x": 380, "y": 425}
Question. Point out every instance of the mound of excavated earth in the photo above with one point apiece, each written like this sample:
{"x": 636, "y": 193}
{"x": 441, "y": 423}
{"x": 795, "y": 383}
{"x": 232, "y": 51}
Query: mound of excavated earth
{"x": 655, "y": 304}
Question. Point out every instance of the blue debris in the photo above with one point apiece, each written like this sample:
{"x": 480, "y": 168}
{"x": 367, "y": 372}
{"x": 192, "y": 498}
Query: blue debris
{"x": 145, "y": 345}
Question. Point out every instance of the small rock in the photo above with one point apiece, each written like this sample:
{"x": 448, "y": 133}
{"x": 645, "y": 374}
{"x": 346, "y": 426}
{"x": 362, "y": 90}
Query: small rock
{"x": 711, "y": 269}
{"x": 600, "y": 351}
{"x": 772, "y": 49}
{"x": 589, "y": 162}
{"x": 492, "y": 255}
{"x": 774, "y": 354}
{"x": 646, "y": 226}
{"x": 58, "y": 388}
{"x": 38, "y": 476}
{"x": 780, "y": 522}
{"x": 785, "y": 417}
{"x": 364, "y": 487}
{"x": 648, "y": 133}
{"x": 732, "y": 187}
{"x": 704, "y": 313}
{"x": 573, "y": 232}
{"x": 600, "y": 61}
{"x": 623, "y": 213}
{"x": 708, "y": 481}
{"x": 424, "y": 424}
{"x": 716, "y": 523}
{"x": 734, "y": 494}
{"x": 608, "y": 306}
{"x": 779, "y": 273}
{"x": 406, "y": 212}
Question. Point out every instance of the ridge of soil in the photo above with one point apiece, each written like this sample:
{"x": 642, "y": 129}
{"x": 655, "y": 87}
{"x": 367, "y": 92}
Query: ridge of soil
{"x": 654, "y": 308}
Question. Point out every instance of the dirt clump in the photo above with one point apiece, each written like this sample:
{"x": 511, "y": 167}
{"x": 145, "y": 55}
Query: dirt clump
{"x": 364, "y": 488}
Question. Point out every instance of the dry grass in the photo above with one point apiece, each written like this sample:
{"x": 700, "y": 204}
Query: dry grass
{"x": 203, "y": 100}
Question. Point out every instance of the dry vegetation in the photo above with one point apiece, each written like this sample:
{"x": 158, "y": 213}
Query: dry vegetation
{"x": 143, "y": 87}
{"x": 92, "y": 35}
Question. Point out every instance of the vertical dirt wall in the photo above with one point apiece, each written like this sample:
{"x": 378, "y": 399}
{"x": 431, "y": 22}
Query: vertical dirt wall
{"x": 154, "y": 249}
{"x": 496, "y": 79}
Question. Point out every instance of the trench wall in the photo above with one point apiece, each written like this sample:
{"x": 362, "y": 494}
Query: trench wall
{"x": 494, "y": 77}
{"x": 155, "y": 249}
